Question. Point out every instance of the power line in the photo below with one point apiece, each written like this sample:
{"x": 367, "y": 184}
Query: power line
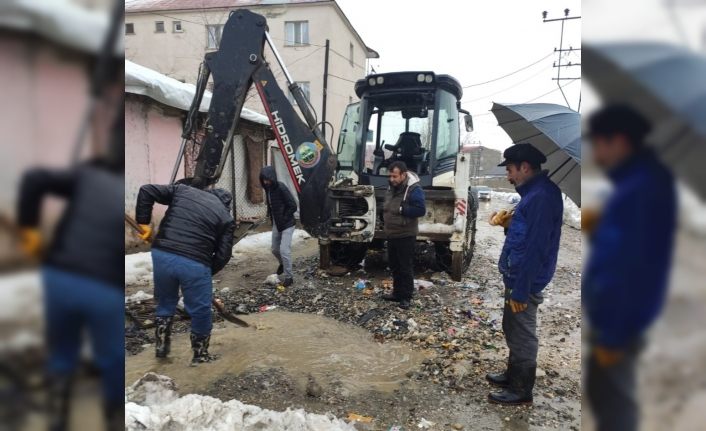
{"x": 508, "y": 88}
{"x": 482, "y": 114}
{"x": 511, "y": 73}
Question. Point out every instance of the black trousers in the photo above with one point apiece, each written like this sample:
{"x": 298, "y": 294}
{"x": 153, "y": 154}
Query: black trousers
{"x": 612, "y": 392}
{"x": 521, "y": 332}
{"x": 400, "y": 255}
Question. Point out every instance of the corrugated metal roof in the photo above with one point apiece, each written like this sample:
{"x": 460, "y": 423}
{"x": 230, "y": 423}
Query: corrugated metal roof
{"x": 164, "y": 5}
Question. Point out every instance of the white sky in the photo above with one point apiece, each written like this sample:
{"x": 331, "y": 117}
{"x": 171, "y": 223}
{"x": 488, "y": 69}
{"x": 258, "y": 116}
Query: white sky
{"x": 474, "y": 41}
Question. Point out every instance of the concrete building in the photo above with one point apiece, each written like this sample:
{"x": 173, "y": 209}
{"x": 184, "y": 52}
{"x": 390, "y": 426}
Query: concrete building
{"x": 172, "y": 37}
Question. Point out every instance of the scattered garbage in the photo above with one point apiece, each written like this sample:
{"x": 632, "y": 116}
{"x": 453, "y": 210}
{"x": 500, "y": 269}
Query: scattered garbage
{"x": 272, "y": 280}
{"x": 365, "y": 317}
{"x": 281, "y": 288}
{"x": 359, "y": 418}
{"x": 361, "y": 284}
{"x": 425, "y": 424}
{"x": 423, "y": 284}
{"x": 470, "y": 285}
{"x": 396, "y": 428}
{"x": 264, "y": 308}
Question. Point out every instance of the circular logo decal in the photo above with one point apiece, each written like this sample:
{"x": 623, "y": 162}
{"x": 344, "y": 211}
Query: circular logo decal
{"x": 308, "y": 154}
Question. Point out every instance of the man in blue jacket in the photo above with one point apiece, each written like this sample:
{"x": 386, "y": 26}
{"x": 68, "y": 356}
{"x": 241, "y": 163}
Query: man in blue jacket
{"x": 625, "y": 281}
{"x": 527, "y": 264}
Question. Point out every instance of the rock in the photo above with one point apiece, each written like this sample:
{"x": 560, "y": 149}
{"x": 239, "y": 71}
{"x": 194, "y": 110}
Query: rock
{"x": 456, "y": 426}
{"x": 313, "y": 389}
{"x": 540, "y": 372}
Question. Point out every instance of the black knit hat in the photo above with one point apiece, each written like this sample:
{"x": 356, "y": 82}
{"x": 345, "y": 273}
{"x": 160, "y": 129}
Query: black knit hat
{"x": 523, "y": 153}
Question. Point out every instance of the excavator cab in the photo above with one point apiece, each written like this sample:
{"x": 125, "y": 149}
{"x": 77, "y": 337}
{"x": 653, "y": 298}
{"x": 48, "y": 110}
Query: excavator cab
{"x": 414, "y": 117}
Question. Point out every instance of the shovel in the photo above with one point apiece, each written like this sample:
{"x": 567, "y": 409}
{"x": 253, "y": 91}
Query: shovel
{"x": 217, "y": 303}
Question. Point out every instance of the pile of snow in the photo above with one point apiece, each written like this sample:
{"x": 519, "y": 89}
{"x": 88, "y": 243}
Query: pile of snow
{"x": 152, "y": 404}
{"x": 138, "y": 268}
{"x": 21, "y": 311}
{"x": 138, "y": 297}
{"x": 510, "y": 197}
{"x": 261, "y": 242}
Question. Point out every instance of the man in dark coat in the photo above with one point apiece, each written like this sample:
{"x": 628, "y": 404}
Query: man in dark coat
{"x": 527, "y": 263}
{"x": 281, "y": 208}
{"x": 404, "y": 204}
{"x": 194, "y": 241}
{"x": 626, "y": 278}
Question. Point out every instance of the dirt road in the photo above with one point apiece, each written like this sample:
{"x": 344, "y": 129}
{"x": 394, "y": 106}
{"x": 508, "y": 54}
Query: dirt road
{"x": 365, "y": 356}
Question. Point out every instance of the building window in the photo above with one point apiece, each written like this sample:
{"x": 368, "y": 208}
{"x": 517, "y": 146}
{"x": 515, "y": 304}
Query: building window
{"x": 305, "y": 89}
{"x": 296, "y": 33}
{"x": 214, "y": 33}
{"x": 159, "y": 26}
{"x": 129, "y": 28}
{"x": 350, "y": 54}
{"x": 176, "y": 27}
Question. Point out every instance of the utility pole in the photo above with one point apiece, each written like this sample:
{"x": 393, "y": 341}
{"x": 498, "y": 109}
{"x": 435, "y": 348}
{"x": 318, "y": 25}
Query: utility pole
{"x": 561, "y": 51}
{"x": 323, "y": 109}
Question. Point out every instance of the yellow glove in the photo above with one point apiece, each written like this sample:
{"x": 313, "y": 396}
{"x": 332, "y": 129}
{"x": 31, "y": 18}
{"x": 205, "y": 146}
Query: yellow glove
{"x": 146, "y": 234}
{"x": 501, "y": 218}
{"x": 31, "y": 242}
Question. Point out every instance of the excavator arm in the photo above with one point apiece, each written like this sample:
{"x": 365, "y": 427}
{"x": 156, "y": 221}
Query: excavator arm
{"x": 236, "y": 66}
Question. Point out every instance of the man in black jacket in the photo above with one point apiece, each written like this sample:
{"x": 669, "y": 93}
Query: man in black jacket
{"x": 281, "y": 207}
{"x": 194, "y": 241}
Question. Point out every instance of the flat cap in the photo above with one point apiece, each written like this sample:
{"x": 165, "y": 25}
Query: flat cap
{"x": 523, "y": 153}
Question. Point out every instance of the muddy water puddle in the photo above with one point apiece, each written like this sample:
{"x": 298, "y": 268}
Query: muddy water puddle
{"x": 299, "y": 344}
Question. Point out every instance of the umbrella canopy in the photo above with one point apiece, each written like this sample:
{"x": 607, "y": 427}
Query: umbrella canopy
{"x": 554, "y": 130}
{"x": 667, "y": 84}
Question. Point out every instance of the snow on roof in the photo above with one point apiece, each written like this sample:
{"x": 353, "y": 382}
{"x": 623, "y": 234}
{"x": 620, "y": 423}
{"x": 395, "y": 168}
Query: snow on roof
{"x": 148, "y": 82}
{"x": 157, "y": 5}
{"x": 61, "y": 21}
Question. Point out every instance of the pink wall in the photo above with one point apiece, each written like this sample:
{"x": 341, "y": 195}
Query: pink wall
{"x": 152, "y": 139}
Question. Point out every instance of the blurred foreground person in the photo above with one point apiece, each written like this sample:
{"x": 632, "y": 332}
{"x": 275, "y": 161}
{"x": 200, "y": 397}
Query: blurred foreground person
{"x": 527, "y": 263}
{"x": 404, "y": 204}
{"x": 83, "y": 275}
{"x": 625, "y": 281}
{"x": 281, "y": 207}
{"x": 194, "y": 241}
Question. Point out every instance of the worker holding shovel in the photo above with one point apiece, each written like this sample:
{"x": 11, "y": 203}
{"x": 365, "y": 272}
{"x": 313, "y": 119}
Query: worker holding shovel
{"x": 194, "y": 241}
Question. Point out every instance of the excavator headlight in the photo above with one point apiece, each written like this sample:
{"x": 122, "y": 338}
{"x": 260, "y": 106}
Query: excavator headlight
{"x": 420, "y": 77}
{"x": 428, "y": 79}
{"x": 380, "y": 79}
{"x": 371, "y": 81}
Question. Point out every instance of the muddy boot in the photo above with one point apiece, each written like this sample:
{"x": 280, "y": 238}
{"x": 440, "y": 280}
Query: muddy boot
{"x": 163, "y": 336}
{"x": 288, "y": 282}
{"x": 501, "y": 379}
{"x": 199, "y": 344}
{"x": 114, "y": 415}
{"x": 520, "y": 389}
{"x": 58, "y": 401}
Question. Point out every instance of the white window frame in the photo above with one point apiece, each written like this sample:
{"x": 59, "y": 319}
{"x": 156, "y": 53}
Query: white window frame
{"x": 296, "y": 33}
{"x": 156, "y": 27}
{"x": 174, "y": 27}
{"x": 219, "y": 34}
{"x": 132, "y": 26}
{"x": 306, "y": 88}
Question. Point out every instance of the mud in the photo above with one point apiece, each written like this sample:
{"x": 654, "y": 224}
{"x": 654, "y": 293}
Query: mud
{"x": 450, "y": 339}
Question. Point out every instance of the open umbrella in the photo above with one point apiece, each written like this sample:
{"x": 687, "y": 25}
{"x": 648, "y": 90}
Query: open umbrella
{"x": 555, "y": 130}
{"x": 667, "y": 84}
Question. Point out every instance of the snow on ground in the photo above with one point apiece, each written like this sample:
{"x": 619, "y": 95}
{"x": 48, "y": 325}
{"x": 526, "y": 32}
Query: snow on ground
{"x": 139, "y": 296}
{"x": 138, "y": 268}
{"x": 152, "y": 404}
{"x": 572, "y": 213}
{"x": 21, "y": 306}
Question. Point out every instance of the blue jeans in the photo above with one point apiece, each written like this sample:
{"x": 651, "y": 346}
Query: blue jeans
{"x": 282, "y": 248}
{"x": 172, "y": 271}
{"x": 73, "y": 303}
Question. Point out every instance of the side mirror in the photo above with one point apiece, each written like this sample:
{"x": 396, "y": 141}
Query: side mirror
{"x": 468, "y": 120}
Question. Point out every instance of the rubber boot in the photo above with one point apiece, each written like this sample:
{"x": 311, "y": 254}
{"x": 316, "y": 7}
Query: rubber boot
{"x": 114, "y": 415}
{"x": 199, "y": 344}
{"x": 58, "y": 401}
{"x": 519, "y": 392}
{"x": 163, "y": 336}
{"x": 501, "y": 379}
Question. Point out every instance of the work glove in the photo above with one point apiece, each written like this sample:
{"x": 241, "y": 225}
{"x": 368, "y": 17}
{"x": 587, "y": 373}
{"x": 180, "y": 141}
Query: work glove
{"x": 501, "y": 218}
{"x": 146, "y": 234}
{"x": 516, "y": 307}
{"x": 607, "y": 357}
{"x": 30, "y": 242}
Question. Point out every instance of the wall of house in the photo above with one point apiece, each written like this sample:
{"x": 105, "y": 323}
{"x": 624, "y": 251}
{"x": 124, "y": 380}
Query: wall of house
{"x": 178, "y": 55}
